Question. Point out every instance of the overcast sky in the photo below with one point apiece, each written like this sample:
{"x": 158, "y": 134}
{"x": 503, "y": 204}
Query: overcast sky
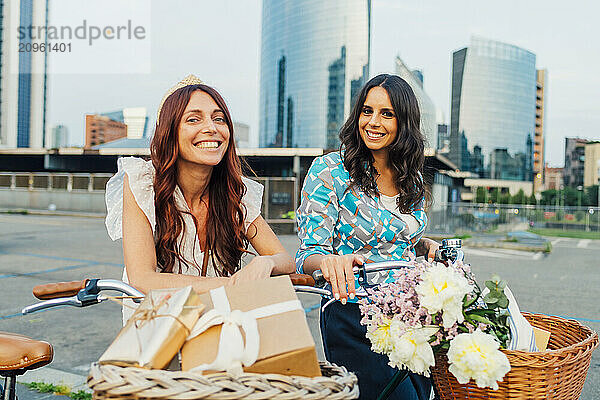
{"x": 219, "y": 41}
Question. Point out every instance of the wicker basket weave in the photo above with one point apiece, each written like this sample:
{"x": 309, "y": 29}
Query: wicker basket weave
{"x": 124, "y": 383}
{"x": 558, "y": 373}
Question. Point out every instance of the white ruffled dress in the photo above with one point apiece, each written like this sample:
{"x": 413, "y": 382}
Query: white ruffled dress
{"x": 141, "y": 182}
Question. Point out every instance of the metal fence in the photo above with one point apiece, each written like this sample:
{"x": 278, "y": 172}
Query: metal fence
{"x": 470, "y": 217}
{"x": 39, "y": 181}
{"x": 44, "y": 190}
{"x": 85, "y": 192}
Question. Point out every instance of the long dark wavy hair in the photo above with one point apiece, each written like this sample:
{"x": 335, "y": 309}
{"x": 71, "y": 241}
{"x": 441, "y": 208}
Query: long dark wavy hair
{"x": 406, "y": 153}
{"x": 225, "y": 221}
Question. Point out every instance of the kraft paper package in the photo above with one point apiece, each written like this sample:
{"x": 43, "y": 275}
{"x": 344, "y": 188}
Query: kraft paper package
{"x": 255, "y": 326}
{"x": 157, "y": 329}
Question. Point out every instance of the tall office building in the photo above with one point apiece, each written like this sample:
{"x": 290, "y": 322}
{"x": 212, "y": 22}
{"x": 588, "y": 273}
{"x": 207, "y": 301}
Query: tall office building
{"x": 314, "y": 59}
{"x": 538, "y": 144}
{"x": 428, "y": 115}
{"x": 493, "y": 110}
{"x": 22, "y": 92}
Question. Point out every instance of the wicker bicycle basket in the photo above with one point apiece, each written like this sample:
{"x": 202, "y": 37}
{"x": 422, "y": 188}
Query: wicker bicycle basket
{"x": 124, "y": 383}
{"x": 558, "y": 373}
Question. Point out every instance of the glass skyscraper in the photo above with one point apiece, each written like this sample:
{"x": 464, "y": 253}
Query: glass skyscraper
{"x": 428, "y": 119}
{"x": 22, "y": 75}
{"x": 493, "y": 108}
{"x": 314, "y": 59}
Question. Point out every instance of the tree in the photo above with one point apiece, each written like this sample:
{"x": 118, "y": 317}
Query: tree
{"x": 494, "y": 195}
{"x": 504, "y": 198}
{"x": 571, "y": 196}
{"x": 481, "y": 195}
{"x": 532, "y": 200}
{"x": 549, "y": 197}
{"x": 591, "y": 196}
{"x": 519, "y": 198}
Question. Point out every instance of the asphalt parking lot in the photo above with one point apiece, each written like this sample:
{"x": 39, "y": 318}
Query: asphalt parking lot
{"x": 40, "y": 249}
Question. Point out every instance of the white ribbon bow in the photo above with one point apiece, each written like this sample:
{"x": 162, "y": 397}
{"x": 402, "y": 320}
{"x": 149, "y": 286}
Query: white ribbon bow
{"x": 233, "y": 352}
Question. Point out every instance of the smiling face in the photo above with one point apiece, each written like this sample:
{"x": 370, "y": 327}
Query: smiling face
{"x": 377, "y": 124}
{"x": 203, "y": 131}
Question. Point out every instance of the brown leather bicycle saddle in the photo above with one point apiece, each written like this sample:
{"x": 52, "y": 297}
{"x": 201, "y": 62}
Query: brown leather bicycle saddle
{"x": 21, "y": 352}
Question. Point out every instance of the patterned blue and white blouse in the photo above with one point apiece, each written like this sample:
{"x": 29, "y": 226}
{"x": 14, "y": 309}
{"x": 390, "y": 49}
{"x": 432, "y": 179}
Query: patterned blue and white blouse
{"x": 336, "y": 219}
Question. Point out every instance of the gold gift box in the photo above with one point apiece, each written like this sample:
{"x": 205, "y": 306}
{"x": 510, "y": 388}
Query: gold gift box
{"x": 157, "y": 329}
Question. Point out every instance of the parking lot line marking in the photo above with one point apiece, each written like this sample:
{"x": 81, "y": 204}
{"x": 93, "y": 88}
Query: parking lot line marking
{"x": 583, "y": 243}
{"x": 10, "y": 316}
{"x": 61, "y": 258}
{"x": 538, "y": 255}
{"x": 555, "y": 241}
{"x": 50, "y": 270}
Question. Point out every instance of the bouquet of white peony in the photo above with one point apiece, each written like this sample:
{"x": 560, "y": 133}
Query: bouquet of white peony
{"x": 432, "y": 308}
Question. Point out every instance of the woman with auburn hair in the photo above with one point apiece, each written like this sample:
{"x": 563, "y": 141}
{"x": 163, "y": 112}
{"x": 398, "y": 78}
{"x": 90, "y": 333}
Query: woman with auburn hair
{"x": 365, "y": 203}
{"x": 186, "y": 217}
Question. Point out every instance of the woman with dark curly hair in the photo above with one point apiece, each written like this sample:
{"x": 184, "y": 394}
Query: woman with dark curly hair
{"x": 186, "y": 217}
{"x": 365, "y": 203}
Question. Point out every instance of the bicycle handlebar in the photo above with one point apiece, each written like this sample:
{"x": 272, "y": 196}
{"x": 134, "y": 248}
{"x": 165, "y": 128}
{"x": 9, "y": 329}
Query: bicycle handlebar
{"x": 366, "y": 268}
{"x": 49, "y": 291}
{"x": 87, "y": 292}
{"x": 89, "y": 295}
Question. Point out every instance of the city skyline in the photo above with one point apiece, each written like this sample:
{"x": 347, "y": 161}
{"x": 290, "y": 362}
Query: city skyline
{"x": 425, "y": 39}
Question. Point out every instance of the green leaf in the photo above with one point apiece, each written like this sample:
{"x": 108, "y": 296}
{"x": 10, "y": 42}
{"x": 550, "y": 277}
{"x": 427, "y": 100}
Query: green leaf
{"x": 490, "y": 285}
{"x": 481, "y": 319}
{"x": 481, "y": 311}
{"x": 469, "y": 303}
{"x": 490, "y": 298}
{"x": 503, "y": 302}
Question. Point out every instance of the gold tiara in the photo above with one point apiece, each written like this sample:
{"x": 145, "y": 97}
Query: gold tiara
{"x": 187, "y": 81}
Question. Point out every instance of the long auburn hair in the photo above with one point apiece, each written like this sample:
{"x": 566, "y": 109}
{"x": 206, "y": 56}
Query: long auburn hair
{"x": 225, "y": 236}
{"x": 406, "y": 153}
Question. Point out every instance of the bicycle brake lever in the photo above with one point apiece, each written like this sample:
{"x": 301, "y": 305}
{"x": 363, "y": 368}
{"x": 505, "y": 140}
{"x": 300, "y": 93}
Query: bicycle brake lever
{"x": 70, "y": 301}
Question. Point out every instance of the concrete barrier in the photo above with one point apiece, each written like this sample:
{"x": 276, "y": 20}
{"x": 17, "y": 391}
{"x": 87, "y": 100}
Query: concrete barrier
{"x": 84, "y": 201}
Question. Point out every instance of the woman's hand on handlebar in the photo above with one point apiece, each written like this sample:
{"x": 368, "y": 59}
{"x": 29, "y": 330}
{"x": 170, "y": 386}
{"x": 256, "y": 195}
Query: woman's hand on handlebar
{"x": 337, "y": 270}
{"x": 260, "y": 267}
{"x": 427, "y": 248}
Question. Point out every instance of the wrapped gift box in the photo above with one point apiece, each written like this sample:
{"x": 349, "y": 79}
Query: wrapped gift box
{"x": 285, "y": 344}
{"x": 157, "y": 329}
